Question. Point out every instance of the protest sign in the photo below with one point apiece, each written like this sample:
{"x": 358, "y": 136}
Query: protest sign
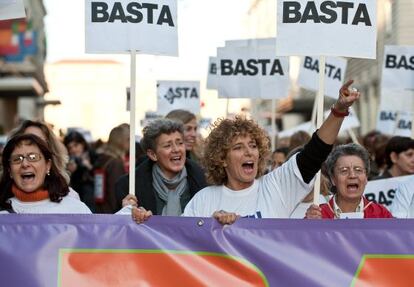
{"x": 173, "y": 95}
{"x": 395, "y": 123}
{"x": 334, "y": 74}
{"x": 383, "y": 190}
{"x": 212, "y": 74}
{"x": 122, "y": 26}
{"x": 250, "y": 69}
{"x": 398, "y": 69}
{"x": 329, "y": 28}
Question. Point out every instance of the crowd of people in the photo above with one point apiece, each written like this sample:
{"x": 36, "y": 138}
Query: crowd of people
{"x": 230, "y": 174}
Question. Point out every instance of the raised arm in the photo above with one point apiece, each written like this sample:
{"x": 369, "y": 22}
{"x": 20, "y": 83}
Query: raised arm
{"x": 318, "y": 148}
{"x": 330, "y": 127}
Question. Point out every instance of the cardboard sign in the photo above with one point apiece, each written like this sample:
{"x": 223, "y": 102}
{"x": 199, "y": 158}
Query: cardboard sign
{"x": 335, "y": 69}
{"x": 250, "y": 69}
{"x": 328, "y": 28}
{"x": 383, "y": 190}
{"x": 173, "y": 95}
{"x": 395, "y": 123}
{"x": 148, "y": 26}
{"x": 212, "y": 74}
{"x": 398, "y": 68}
{"x": 12, "y": 9}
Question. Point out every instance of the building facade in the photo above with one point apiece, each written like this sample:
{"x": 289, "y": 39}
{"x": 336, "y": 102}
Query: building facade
{"x": 22, "y": 56}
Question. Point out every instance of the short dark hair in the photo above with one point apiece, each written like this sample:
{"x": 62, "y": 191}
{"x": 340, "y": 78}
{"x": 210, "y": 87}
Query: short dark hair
{"x": 156, "y": 128}
{"x": 398, "y": 145}
{"x": 344, "y": 150}
{"x": 54, "y": 183}
{"x": 283, "y": 149}
{"x": 76, "y": 137}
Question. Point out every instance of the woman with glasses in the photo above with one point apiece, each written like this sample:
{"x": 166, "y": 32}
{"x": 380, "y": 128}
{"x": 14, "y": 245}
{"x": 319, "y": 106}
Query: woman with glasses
{"x": 348, "y": 168}
{"x": 31, "y": 181}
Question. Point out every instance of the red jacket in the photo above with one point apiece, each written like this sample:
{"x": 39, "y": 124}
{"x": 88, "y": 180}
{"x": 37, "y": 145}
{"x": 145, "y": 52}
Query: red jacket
{"x": 371, "y": 210}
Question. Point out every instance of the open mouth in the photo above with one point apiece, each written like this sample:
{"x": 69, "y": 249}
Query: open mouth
{"x": 248, "y": 166}
{"x": 28, "y": 176}
{"x": 353, "y": 187}
{"x": 176, "y": 159}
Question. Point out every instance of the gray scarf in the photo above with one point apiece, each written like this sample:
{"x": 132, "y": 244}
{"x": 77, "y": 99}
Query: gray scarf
{"x": 170, "y": 190}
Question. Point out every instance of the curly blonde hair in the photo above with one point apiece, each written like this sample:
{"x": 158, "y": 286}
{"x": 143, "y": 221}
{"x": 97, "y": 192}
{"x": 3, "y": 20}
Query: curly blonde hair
{"x": 218, "y": 144}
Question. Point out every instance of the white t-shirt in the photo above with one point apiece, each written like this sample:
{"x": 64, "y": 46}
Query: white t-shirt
{"x": 274, "y": 195}
{"x": 403, "y": 204}
{"x": 67, "y": 205}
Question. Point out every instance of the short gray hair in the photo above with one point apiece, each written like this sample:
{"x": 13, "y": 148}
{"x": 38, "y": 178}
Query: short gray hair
{"x": 345, "y": 150}
{"x": 156, "y": 128}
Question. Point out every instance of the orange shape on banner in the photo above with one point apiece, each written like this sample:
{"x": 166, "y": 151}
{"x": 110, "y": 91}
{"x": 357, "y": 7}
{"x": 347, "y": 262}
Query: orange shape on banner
{"x": 89, "y": 268}
{"x": 385, "y": 270}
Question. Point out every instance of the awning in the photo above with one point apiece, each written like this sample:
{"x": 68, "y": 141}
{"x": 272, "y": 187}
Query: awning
{"x": 20, "y": 87}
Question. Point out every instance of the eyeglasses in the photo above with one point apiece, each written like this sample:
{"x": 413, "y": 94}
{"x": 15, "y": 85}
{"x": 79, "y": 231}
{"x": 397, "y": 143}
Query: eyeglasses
{"x": 346, "y": 170}
{"x": 30, "y": 157}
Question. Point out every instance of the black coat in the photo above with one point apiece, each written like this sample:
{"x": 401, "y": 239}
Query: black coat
{"x": 144, "y": 191}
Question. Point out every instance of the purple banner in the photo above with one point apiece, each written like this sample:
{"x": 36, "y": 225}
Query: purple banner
{"x": 111, "y": 250}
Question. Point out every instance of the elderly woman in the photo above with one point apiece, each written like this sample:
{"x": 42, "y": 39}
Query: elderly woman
{"x": 348, "y": 168}
{"x": 235, "y": 155}
{"x": 167, "y": 180}
{"x": 31, "y": 182}
{"x": 191, "y": 140}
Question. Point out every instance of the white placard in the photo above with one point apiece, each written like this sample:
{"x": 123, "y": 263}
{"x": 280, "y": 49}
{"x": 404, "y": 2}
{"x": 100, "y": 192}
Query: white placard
{"x": 12, "y": 9}
{"x": 329, "y": 28}
{"x": 395, "y": 123}
{"x": 383, "y": 190}
{"x": 173, "y": 95}
{"x": 386, "y": 121}
{"x": 252, "y": 71}
{"x": 212, "y": 73}
{"x": 404, "y": 124}
{"x": 121, "y": 26}
{"x": 334, "y": 74}
{"x": 398, "y": 68}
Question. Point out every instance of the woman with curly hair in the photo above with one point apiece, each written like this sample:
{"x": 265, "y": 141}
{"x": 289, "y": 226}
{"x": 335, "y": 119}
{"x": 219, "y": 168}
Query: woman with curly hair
{"x": 235, "y": 159}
